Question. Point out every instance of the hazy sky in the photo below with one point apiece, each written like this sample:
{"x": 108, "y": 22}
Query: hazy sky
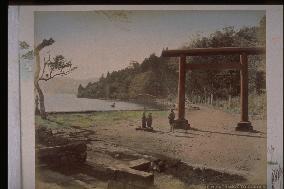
{"x": 98, "y": 42}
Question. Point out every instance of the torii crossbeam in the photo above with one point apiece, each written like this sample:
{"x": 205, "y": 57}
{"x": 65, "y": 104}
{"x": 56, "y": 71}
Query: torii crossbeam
{"x": 244, "y": 124}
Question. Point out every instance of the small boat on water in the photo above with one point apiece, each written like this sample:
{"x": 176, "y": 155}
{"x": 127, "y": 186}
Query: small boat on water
{"x": 113, "y": 105}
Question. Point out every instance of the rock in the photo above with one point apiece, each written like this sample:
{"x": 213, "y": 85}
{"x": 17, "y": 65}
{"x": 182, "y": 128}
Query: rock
{"x": 58, "y": 150}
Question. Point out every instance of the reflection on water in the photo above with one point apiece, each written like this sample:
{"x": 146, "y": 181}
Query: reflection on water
{"x": 70, "y": 103}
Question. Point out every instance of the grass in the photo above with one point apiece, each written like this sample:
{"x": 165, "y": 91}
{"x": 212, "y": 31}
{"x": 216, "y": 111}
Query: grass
{"x": 90, "y": 119}
{"x": 46, "y": 123}
{"x": 256, "y": 105}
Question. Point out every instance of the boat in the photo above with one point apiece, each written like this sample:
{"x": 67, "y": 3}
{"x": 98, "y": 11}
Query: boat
{"x": 113, "y": 105}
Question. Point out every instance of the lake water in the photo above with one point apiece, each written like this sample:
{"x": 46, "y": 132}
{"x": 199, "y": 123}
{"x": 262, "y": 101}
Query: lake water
{"x": 70, "y": 103}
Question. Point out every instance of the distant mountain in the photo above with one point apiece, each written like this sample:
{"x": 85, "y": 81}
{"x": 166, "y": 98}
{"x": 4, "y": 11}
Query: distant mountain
{"x": 64, "y": 85}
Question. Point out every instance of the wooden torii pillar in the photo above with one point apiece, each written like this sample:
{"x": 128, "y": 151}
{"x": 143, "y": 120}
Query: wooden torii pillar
{"x": 244, "y": 124}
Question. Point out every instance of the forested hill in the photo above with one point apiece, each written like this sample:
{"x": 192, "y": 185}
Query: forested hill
{"x": 159, "y": 76}
{"x": 153, "y": 76}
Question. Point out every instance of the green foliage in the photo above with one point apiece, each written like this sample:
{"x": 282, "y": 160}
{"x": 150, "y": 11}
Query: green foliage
{"x": 58, "y": 66}
{"x": 59, "y": 62}
{"x": 47, "y": 123}
{"x": 139, "y": 84}
{"x": 153, "y": 76}
{"x": 222, "y": 83}
{"x": 256, "y": 105}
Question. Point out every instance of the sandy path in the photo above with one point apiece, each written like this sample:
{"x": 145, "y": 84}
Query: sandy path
{"x": 215, "y": 143}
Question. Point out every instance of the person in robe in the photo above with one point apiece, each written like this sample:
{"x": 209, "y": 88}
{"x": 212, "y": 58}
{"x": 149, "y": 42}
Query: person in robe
{"x": 171, "y": 118}
{"x": 149, "y": 120}
{"x": 143, "y": 120}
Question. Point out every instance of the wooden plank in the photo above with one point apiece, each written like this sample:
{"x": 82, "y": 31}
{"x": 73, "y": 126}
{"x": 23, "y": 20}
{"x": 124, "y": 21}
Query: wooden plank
{"x": 131, "y": 176}
{"x": 213, "y": 66}
{"x": 214, "y": 51}
{"x": 140, "y": 164}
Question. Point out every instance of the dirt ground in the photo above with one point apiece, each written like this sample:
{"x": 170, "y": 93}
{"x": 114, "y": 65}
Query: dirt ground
{"x": 213, "y": 143}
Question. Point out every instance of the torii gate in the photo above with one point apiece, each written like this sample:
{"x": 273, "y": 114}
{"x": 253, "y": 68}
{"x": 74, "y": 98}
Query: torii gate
{"x": 244, "y": 124}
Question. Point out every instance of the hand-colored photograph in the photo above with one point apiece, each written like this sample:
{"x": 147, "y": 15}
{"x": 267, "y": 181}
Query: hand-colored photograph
{"x": 150, "y": 99}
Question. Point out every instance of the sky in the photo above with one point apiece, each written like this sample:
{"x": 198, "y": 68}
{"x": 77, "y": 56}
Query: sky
{"x": 102, "y": 41}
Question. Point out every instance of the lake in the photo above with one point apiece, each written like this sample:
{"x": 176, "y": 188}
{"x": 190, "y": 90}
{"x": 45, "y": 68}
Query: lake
{"x": 70, "y": 103}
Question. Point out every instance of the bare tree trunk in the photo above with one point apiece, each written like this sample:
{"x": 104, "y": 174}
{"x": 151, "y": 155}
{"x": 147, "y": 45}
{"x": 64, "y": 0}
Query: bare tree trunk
{"x": 37, "y": 87}
{"x": 211, "y": 98}
{"x": 37, "y": 112}
{"x": 41, "y": 101}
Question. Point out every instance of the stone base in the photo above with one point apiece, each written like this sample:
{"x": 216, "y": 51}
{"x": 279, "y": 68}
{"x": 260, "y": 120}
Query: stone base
{"x": 181, "y": 124}
{"x": 244, "y": 126}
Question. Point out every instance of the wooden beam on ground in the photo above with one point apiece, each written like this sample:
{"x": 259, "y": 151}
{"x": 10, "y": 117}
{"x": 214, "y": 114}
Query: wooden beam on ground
{"x": 213, "y": 66}
{"x": 214, "y": 51}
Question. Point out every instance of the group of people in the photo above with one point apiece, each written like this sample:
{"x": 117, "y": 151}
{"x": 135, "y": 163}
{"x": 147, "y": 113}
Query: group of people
{"x": 147, "y": 121}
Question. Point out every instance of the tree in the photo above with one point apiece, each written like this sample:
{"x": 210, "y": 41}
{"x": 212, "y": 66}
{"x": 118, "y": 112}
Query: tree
{"x": 204, "y": 83}
{"x": 57, "y": 66}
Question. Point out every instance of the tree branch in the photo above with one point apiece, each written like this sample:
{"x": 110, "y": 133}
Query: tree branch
{"x": 43, "y": 44}
{"x": 59, "y": 66}
{"x": 58, "y": 74}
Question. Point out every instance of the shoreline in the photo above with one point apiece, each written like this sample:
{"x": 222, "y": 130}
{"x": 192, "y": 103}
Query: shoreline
{"x": 95, "y": 111}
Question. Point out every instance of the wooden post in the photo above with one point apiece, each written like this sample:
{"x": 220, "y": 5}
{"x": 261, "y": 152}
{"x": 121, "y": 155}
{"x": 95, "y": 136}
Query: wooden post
{"x": 181, "y": 122}
{"x": 244, "y": 87}
{"x": 181, "y": 87}
{"x": 244, "y": 124}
